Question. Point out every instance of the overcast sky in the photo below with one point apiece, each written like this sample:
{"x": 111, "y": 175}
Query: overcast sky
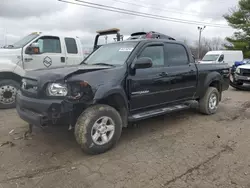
{"x": 21, "y": 17}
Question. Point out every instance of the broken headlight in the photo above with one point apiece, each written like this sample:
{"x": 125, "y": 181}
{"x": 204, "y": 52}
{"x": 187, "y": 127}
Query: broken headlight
{"x": 57, "y": 89}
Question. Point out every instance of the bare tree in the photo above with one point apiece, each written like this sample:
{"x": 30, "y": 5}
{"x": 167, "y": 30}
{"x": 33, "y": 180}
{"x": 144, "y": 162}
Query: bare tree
{"x": 206, "y": 45}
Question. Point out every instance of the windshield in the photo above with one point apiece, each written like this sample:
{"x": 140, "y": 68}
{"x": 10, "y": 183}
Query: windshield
{"x": 114, "y": 54}
{"x": 21, "y": 43}
{"x": 210, "y": 57}
{"x": 246, "y": 61}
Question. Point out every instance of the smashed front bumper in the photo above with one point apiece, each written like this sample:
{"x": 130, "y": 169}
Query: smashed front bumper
{"x": 41, "y": 112}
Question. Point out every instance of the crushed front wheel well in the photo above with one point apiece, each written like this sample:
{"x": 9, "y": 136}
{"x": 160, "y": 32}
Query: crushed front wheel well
{"x": 117, "y": 102}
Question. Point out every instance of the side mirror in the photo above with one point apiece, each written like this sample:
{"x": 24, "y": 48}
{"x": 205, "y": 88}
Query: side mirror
{"x": 143, "y": 63}
{"x": 33, "y": 49}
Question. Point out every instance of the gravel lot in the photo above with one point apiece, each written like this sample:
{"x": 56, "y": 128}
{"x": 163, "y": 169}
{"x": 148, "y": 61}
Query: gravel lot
{"x": 185, "y": 149}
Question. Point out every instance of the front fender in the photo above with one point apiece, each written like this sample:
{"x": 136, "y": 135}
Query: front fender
{"x": 8, "y": 66}
{"x": 108, "y": 90}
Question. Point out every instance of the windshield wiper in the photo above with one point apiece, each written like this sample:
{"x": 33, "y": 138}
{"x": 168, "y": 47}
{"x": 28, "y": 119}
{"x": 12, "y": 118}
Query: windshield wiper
{"x": 83, "y": 63}
{"x": 8, "y": 46}
{"x": 106, "y": 64}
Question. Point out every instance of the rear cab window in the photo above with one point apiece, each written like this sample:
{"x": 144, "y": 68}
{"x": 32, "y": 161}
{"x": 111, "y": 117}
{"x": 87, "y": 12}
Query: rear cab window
{"x": 176, "y": 54}
{"x": 71, "y": 46}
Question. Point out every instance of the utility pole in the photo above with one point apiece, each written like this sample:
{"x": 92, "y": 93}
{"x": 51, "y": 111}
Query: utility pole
{"x": 199, "y": 47}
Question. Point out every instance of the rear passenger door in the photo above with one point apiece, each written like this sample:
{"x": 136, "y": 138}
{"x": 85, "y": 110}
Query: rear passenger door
{"x": 73, "y": 54}
{"x": 181, "y": 71}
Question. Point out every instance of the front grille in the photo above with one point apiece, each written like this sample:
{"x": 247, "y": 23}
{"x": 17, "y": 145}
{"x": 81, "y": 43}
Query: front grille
{"x": 245, "y": 72}
{"x": 29, "y": 87}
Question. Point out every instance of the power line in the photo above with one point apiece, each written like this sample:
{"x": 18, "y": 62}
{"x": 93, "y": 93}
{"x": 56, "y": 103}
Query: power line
{"x": 215, "y": 1}
{"x": 154, "y": 15}
{"x": 156, "y": 8}
{"x": 135, "y": 13}
{"x": 175, "y": 11}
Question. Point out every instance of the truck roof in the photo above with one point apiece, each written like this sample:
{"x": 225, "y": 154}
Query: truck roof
{"x": 223, "y": 51}
{"x": 150, "y": 40}
{"x": 55, "y": 34}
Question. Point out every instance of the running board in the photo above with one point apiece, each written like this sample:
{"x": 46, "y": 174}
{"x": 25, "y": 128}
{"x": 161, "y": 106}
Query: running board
{"x": 161, "y": 111}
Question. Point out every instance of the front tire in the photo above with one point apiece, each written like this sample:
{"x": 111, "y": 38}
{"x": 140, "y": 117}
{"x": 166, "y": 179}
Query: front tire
{"x": 8, "y": 91}
{"x": 98, "y": 129}
{"x": 209, "y": 103}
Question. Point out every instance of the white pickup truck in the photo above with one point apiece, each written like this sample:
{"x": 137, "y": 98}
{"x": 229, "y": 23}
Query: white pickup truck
{"x": 35, "y": 51}
{"x": 38, "y": 51}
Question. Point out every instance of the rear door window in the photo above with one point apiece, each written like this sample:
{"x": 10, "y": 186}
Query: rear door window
{"x": 176, "y": 54}
{"x": 71, "y": 46}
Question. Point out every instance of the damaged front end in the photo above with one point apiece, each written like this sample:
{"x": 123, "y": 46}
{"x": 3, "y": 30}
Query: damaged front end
{"x": 58, "y": 102}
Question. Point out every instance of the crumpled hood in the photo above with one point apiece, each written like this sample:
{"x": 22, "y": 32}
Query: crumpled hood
{"x": 107, "y": 77}
{"x": 246, "y": 66}
{"x": 87, "y": 73}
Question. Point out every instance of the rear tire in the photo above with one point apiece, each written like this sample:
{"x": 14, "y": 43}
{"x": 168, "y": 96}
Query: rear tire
{"x": 209, "y": 103}
{"x": 8, "y": 91}
{"x": 92, "y": 126}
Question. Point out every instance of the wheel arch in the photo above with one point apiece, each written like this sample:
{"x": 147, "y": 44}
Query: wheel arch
{"x": 212, "y": 80}
{"x": 116, "y": 98}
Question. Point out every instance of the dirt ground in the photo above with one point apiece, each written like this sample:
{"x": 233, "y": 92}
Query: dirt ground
{"x": 180, "y": 150}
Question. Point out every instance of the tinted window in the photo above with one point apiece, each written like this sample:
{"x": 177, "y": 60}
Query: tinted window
{"x": 49, "y": 45}
{"x": 176, "y": 54}
{"x": 156, "y": 53}
{"x": 71, "y": 46}
{"x": 221, "y": 58}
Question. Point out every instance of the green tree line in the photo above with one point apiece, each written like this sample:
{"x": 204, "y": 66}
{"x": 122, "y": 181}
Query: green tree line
{"x": 239, "y": 19}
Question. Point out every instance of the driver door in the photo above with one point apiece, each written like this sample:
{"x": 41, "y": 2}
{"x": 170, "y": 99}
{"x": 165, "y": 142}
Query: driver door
{"x": 51, "y": 54}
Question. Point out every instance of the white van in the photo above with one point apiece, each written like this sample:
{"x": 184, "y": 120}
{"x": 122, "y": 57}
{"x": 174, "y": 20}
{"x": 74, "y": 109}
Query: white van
{"x": 227, "y": 56}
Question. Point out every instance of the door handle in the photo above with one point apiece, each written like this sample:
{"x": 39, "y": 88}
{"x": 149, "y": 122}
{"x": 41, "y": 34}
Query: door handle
{"x": 163, "y": 74}
{"x": 63, "y": 59}
{"x": 28, "y": 59}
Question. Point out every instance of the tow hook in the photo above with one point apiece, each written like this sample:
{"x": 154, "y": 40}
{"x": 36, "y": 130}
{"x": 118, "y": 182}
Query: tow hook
{"x": 55, "y": 115}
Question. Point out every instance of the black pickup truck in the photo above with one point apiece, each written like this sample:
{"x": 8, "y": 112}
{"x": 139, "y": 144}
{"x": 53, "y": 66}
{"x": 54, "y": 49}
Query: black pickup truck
{"x": 119, "y": 83}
